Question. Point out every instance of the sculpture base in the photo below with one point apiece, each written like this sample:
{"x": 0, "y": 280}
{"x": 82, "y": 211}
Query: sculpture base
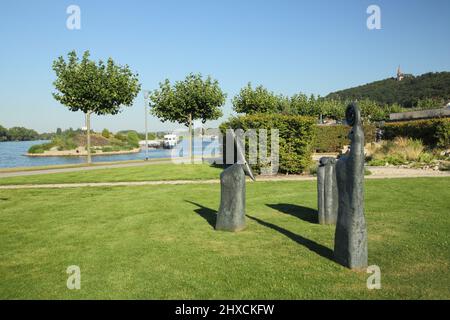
{"x": 231, "y": 215}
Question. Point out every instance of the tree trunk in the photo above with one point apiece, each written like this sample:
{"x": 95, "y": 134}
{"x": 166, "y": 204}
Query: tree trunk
{"x": 88, "y": 136}
{"x": 191, "y": 154}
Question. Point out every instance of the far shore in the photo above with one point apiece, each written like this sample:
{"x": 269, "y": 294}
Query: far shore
{"x": 74, "y": 153}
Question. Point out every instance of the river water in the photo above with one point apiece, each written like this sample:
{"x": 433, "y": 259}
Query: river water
{"x": 12, "y": 154}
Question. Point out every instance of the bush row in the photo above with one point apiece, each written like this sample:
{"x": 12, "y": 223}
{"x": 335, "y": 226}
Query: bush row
{"x": 333, "y": 138}
{"x": 432, "y": 132}
{"x": 296, "y": 137}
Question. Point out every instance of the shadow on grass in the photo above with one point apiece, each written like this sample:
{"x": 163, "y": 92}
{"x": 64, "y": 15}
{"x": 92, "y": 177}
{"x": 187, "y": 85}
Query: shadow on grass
{"x": 4, "y": 199}
{"x": 206, "y": 213}
{"x": 309, "y": 244}
{"x": 217, "y": 165}
{"x": 303, "y": 213}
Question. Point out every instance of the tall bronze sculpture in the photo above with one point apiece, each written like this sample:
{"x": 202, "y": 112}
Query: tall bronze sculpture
{"x": 350, "y": 246}
{"x": 327, "y": 190}
{"x": 231, "y": 215}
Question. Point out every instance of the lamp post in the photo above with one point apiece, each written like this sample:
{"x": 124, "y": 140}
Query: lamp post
{"x": 146, "y": 94}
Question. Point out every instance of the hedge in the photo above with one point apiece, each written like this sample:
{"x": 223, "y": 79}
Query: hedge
{"x": 432, "y": 132}
{"x": 332, "y": 138}
{"x": 296, "y": 137}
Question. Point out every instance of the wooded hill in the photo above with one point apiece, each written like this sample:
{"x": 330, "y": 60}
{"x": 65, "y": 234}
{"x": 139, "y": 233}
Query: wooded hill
{"x": 410, "y": 92}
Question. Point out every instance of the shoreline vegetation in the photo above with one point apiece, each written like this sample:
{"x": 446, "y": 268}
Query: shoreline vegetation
{"x": 72, "y": 143}
{"x": 81, "y": 153}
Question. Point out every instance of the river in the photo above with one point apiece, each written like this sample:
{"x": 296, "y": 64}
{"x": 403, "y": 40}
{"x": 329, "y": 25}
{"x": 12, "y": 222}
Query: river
{"x": 12, "y": 154}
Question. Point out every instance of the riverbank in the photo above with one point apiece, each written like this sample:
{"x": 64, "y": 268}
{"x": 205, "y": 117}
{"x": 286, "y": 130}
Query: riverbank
{"x": 13, "y": 156}
{"x": 80, "y": 153}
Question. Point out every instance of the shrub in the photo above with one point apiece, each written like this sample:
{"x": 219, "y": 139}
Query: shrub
{"x": 334, "y": 138}
{"x": 395, "y": 159}
{"x": 444, "y": 166}
{"x": 433, "y": 132}
{"x": 313, "y": 169}
{"x": 40, "y": 148}
{"x": 296, "y": 136}
{"x": 106, "y": 134}
{"x": 377, "y": 162}
{"x": 120, "y": 137}
{"x": 426, "y": 157}
{"x": 410, "y": 149}
{"x": 400, "y": 151}
{"x": 372, "y": 148}
{"x": 107, "y": 149}
{"x": 133, "y": 139}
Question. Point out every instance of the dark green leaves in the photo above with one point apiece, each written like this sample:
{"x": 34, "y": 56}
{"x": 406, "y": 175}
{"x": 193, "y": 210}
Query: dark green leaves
{"x": 201, "y": 98}
{"x": 94, "y": 87}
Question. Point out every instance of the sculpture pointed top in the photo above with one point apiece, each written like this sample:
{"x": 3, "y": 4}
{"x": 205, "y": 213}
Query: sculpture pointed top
{"x": 241, "y": 157}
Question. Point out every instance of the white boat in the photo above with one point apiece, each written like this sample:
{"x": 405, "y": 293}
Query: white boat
{"x": 170, "y": 141}
{"x": 151, "y": 143}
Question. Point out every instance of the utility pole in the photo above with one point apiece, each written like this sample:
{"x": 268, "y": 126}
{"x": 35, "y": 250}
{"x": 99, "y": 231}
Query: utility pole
{"x": 191, "y": 153}
{"x": 88, "y": 132}
{"x": 146, "y": 94}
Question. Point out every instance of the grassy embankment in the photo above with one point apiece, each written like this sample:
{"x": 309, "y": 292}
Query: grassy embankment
{"x": 151, "y": 172}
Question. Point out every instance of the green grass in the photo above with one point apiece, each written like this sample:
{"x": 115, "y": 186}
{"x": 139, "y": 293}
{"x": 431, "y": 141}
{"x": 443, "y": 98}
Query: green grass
{"x": 151, "y": 172}
{"x": 157, "y": 242}
{"x": 78, "y": 165}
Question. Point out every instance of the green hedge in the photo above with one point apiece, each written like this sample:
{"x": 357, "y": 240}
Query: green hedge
{"x": 333, "y": 138}
{"x": 432, "y": 132}
{"x": 296, "y": 137}
{"x": 40, "y": 148}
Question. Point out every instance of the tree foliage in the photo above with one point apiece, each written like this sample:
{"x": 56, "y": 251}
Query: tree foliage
{"x": 18, "y": 134}
{"x": 3, "y": 134}
{"x": 432, "y": 132}
{"x": 296, "y": 138}
{"x": 133, "y": 139}
{"x": 106, "y": 133}
{"x": 259, "y": 100}
{"x": 200, "y": 98}
{"x": 432, "y": 87}
{"x": 100, "y": 88}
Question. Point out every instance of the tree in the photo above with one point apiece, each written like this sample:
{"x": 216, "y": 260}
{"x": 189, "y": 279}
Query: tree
{"x": 407, "y": 92}
{"x": 194, "y": 98}
{"x": 258, "y": 100}
{"x": 105, "y": 133}
{"x": 22, "y": 134}
{"x": 133, "y": 139}
{"x": 93, "y": 88}
{"x": 4, "y": 136}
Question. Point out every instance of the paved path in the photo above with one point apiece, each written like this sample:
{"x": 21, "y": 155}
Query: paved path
{"x": 74, "y": 169}
{"x": 377, "y": 173}
{"x": 30, "y": 172}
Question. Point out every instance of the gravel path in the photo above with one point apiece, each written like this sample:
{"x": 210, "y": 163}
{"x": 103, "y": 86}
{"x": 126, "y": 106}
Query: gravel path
{"x": 377, "y": 173}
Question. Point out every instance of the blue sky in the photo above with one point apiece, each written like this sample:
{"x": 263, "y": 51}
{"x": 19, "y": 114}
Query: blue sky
{"x": 288, "y": 46}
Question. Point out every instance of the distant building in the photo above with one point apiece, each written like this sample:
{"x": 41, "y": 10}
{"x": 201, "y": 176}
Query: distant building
{"x": 400, "y": 74}
{"x": 444, "y": 112}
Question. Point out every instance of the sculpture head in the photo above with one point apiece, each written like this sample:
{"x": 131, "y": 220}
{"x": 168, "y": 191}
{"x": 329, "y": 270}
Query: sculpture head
{"x": 353, "y": 117}
{"x": 326, "y": 160}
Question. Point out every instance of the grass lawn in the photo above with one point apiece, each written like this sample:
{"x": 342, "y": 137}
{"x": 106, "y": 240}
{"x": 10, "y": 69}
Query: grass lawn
{"x": 158, "y": 242}
{"x": 75, "y": 165}
{"x": 152, "y": 172}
